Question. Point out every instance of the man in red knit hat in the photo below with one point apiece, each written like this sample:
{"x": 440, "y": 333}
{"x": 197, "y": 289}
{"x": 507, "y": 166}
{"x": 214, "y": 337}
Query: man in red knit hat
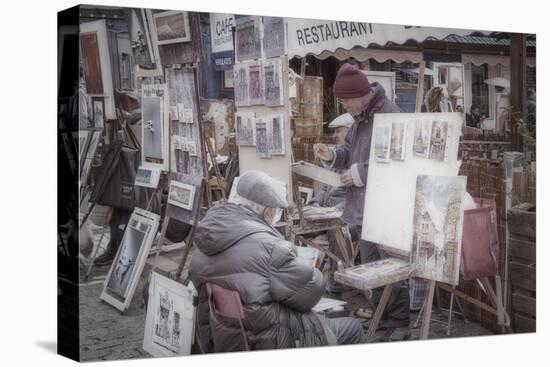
{"x": 362, "y": 100}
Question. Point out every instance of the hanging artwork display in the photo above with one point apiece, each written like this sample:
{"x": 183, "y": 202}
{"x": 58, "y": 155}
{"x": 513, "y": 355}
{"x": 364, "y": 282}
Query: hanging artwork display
{"x": 247, "y": 38}
{"x": 273, "y": 36}
{"x": 273, "y": 83}
{"x": 391, "y": 188}
{"x": 185, "y": 132}
{"x": 382, "y": 141}
{"x": 255, "y": 88}
{"x": 240, "y": 83}
{"x": 172, "y": 27}
{"x": 170, "y": 319}
{"x": 262, "y": 147}
{"x": 275, "y": 134}
{"x": 125, "y": 272}
{"x": 438, "y": 218}
{"x": 245, "y": 128}
{"x": 154, "y": 127}
{"x": 397, "y": 150}
{"x": 422, "y": 134}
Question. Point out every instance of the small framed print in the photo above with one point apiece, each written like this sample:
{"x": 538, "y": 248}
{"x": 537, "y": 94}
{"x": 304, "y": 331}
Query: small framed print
{"x": 98, "y": 112}
{"x": 227, "y": 79}
{"x": 172, "y": 27}
{"x": 181, "y": 195}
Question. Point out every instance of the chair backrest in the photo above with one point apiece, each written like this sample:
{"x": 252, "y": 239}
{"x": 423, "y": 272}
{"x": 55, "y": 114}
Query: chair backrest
{"x": 227, "y": 303}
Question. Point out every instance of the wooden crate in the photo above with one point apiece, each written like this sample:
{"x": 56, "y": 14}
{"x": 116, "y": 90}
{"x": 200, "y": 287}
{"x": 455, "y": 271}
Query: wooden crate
{"x": 522, "y": 266}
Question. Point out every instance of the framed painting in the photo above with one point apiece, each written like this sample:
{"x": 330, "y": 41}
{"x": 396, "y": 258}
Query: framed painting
{"x": 172, "y": 27}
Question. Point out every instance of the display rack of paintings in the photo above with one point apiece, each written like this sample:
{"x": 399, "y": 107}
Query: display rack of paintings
{"x": 273, "y": 36}
{"x": 247, "y": 38}
{"x": 186, "y": 131}
{"x": 438, "y": 219}
{"x": 125, "y": 272}
{"x": 154, "y": 130}
{"x": 262, "y": 146}
{"x": 275, "y": 134}
{"x": 170, "y": 320}
{"x": 221, "y": 113}
{"x": 255, "y": 84}
{"x": 245, "y": 128}
{"x": 273, "y": 82}
{"x": 96, "y": 64}
{"x": 405, "y": 145}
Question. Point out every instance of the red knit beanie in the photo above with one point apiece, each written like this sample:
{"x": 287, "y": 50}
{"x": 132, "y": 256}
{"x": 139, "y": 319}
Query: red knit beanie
{"x": 350, "y": 82}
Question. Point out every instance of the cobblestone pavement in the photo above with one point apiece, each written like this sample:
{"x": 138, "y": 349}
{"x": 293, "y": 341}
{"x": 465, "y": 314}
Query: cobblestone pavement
{"x": 106, "y": 334}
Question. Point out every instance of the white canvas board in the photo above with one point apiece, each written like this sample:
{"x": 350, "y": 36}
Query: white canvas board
{"x": 385, "y": 78}
{"x": 147, "y": 177}
{"x": 390, "y": 191}
{"x": 181, "y": 194}
{"x": 170, "y": 319}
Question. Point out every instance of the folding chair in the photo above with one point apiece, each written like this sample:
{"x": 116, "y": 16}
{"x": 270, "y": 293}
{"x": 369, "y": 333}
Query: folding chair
{"x": 227, "y": 303}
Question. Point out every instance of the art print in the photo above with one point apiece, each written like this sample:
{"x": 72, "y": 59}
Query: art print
{"x": 438, "y": 218}
{"x": 152, "y": 127}
{"x": 245, "y": 128}
{"x": 273, "y": 83}
{"x": 147, "y": 177}
{"x": 262, "y": 147}
{"x": 276, "y": 134}
{"x": 422, "y": 134}
{"x": 382, "y": 136}
{"x": 240, "y": 78}
{"x": 255, "y": 89}
{"x": 181, "y": 195}
{"x": 274, "y": 36}
{"x": 438, "y": 140}
{"x": 98, "y": 109}
{"x": 397, "y": 150}
{"x": 172, "y": 27}
{"x": 247, "y": 39}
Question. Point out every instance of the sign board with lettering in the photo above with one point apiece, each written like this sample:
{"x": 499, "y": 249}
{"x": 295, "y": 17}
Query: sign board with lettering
{"x": 221, "y": 34}
{"x": 309, "y": 36}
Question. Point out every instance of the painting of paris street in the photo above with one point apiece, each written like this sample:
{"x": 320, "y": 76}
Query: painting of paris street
{"x": 438, "y": 141}
{"x": 438, "y": 219}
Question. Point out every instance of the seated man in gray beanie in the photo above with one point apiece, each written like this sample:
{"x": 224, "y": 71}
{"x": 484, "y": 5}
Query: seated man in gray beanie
{"x": 238, "y": 249}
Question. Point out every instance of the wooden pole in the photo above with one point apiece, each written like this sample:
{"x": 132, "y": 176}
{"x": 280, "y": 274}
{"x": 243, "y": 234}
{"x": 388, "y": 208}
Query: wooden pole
{"x": 420, "y": 86}
{"x": 424, "y": 331}
{"x": 379, "y": 311}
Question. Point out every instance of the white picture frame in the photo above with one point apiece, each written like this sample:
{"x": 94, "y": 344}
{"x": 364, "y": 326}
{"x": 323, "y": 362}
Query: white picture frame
{"x": 155, "y": 126}
{"x": 147, "y": 177}
{"x": 123, "y": 277}
{"x": 170, "y": 319}
{"x": 167, "y": 27}
{"x": 181, "y": 194}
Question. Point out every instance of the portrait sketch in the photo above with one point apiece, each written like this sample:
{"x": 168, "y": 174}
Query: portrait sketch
{"x": 273, "y": 83}
{"x": 240, "y": 82}
{"x": 255, "y": 95}
{"x": 397, "y": 150}
{"x": 262, "y": 148}
{"x": 422, "y": 133}
{"x": 245, "y": 128}
{"x": 181, "y": 194}
{"x": 170, "y": 318}
{"x": 172, "y": 27}
{"x": 152, "y": 127}
{"x": 382, "y": 136}
{"x": 437, "y": 235}
{"x": 438, "y": 140}
{"x": 276, "y": 134}
{"x": 247, "y": 39}
{"x": 91, "y": 63}
{"x": 274, "y": 36}
{"x": 125, "y": 260}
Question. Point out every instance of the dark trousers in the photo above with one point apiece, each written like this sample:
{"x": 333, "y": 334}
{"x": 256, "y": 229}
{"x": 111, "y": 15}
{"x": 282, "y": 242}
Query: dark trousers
{"x": 399, "y": 302}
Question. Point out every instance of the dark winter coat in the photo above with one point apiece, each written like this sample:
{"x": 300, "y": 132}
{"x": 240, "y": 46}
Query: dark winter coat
{"x": 356, "y": 150}
{"x": 239, "y": 251}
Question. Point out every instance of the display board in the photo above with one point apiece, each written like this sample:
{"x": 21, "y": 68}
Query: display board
{"x": 430, "y": 147}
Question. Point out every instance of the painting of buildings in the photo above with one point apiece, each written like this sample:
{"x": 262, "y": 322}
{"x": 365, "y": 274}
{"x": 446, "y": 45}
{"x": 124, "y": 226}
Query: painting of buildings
{"x": 438, "y": 141}
{"x": 382, "y": 137}
{"x": 397, "y": 150}
{"x": 438, "y": 220}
